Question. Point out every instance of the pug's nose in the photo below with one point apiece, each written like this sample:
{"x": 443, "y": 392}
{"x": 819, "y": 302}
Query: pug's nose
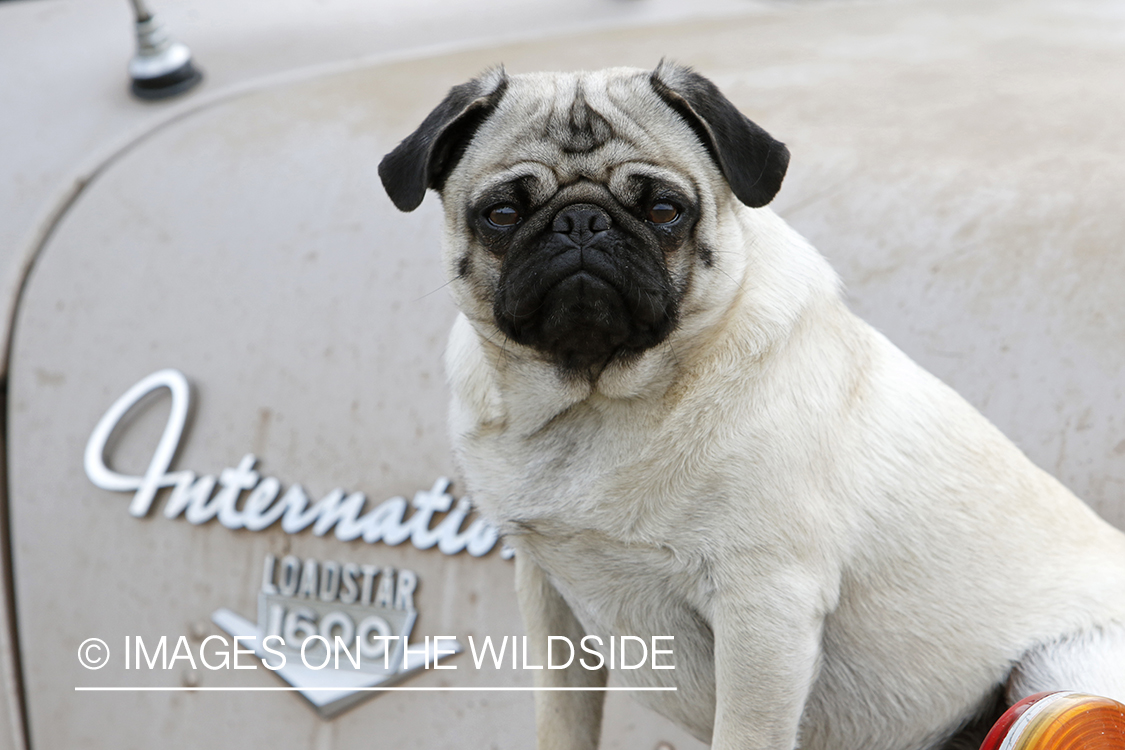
{"x": 581, "y": 222}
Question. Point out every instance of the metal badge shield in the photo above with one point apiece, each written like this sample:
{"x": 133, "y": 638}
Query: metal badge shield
{"x": 333, "y": 630}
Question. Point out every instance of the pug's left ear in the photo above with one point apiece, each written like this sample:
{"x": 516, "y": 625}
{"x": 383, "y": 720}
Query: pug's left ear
{"x": 751, "y": 160}
{"x": 426, "y": 157}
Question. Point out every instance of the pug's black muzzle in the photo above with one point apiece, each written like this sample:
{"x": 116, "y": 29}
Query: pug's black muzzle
{"x": 586, "y": 288}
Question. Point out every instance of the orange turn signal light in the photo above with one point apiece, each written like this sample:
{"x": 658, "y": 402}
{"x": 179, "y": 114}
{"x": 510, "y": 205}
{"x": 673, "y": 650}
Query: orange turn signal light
{"x": 1060, "y": 721}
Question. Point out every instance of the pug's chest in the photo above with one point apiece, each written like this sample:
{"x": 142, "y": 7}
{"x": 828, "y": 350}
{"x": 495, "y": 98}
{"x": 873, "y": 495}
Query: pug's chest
{"x": 620, "y": 590}
{"x": 565, "y": 480}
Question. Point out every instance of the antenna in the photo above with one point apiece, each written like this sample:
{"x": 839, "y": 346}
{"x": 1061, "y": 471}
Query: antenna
{"x": 162, "y": 67}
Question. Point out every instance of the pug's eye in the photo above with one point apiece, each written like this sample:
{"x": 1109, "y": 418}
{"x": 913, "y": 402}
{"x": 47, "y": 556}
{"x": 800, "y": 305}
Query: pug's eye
{"x": 503, "y": 215}
{"x": 663, "y": 213}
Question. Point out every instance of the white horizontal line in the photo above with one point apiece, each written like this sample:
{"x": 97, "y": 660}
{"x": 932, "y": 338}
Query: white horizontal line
{"x": 356, "y": 689}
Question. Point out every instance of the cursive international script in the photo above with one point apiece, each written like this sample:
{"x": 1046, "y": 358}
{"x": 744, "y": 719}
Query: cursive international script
{"x": 203, "y": 498}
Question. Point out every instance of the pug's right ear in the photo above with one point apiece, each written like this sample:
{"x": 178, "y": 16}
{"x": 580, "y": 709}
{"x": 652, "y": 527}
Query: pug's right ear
{"x": 427, "y": 156}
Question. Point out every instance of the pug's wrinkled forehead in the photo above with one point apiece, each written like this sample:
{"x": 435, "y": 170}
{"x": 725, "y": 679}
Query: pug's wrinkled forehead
{"x": 564, "y": 127}
{"x": 551, "y": 131}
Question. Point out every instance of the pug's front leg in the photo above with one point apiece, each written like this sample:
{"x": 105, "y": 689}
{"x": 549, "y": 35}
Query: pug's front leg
{"x": 767, "y": 645}
{"x": 564, "y": 720}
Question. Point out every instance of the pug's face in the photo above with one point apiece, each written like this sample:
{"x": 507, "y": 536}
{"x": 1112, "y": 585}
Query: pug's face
{"x": 579, "y": 207}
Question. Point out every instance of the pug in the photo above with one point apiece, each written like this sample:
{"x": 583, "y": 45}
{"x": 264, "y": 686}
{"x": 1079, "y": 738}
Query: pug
{"x": 661, "y": 399}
